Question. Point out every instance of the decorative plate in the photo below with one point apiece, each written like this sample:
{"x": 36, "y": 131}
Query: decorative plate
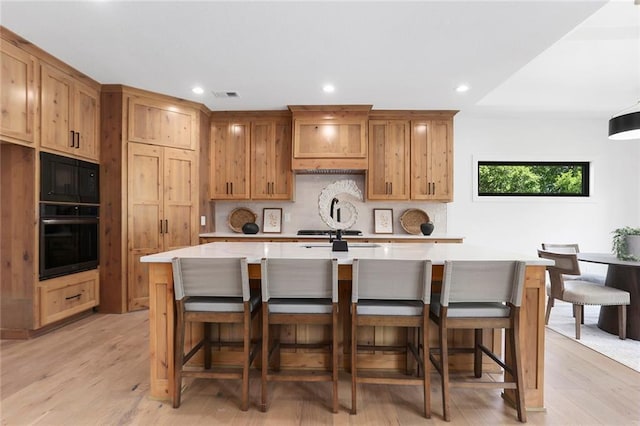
{"x": 238, "y": 217}
{"x": 411, "y": 220}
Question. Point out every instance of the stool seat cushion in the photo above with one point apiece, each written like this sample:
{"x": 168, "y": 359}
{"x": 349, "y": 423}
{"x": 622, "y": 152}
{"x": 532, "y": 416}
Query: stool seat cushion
{"x": 390, "y": 307}
{"x": 220, "y": 304}
{"x": 473, "y": 309}
{"x": 300, "y": 306}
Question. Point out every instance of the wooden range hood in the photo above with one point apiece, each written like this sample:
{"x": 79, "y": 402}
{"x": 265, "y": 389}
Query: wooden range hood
{"x": 330, "y": 138}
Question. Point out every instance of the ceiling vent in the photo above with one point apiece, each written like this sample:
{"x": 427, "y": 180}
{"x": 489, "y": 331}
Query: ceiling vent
{"x": 226, "y": 94}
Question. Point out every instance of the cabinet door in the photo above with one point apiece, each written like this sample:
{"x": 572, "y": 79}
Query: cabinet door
{"x": 230, "y": 160}
{"x": 17, "y": 94}
{"x": 432, "y": 160}
{"x": 180, "y": 199}
{"x": 145, "y": 217}
{"x": 388, "y": 174}
{"x": 271, "y": 175}
{"x": 56, "y": 97}
{"x": 86, "y": 121}
{"x": 156, "y": 122}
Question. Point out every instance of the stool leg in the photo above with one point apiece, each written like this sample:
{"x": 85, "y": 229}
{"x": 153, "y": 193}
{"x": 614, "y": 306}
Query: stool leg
{"x": 477, "y": 352}
{"x": 354, "y": 350}
{"x": 247, "y": 355}
{"x": 265, "y": 355}
{"x": 334, "y": 356}
{"x": 514, "y": 335}
{"x": 425, "y": 362}
{"x": 444, "y": 360}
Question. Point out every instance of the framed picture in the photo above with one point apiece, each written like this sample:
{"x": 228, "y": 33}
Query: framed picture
{"x": 272, "y": 220}
{"x": 383, "y": 221}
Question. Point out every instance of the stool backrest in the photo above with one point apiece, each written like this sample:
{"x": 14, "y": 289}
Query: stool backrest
{"x": 221, "y": 277}
{"x": 483, "y": 281}
{"x": 300, "y": 278}
{"x": 391, "y": 279}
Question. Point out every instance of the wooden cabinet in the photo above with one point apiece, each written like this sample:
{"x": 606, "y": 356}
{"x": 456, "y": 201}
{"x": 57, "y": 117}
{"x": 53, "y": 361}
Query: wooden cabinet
{"x": 150, "y": 192}
{"x": 18, "y": 94}
{"x": 68, "y": 295}
{"x": 388, "y": 173}
{"x": 158, "y": 122}
{"x": 230, "y": 161}
{"x": 70, "y": 113}
{"x": 330, "y": 137}
{"x": 162, "y": 207}
{"x": 432, "y": 160}
{"x": 271, "y": 175}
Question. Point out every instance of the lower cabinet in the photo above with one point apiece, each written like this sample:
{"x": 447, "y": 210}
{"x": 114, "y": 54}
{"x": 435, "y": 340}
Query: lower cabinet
{"x": 68, "y": 295}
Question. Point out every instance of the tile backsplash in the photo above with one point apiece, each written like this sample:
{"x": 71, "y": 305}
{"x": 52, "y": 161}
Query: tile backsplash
{"x": 303, "y": 211}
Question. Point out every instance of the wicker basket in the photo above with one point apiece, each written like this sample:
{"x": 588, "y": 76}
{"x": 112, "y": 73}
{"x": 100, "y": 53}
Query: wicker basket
{"x": 238, "y": 217}
{"x": 411, "y": 220}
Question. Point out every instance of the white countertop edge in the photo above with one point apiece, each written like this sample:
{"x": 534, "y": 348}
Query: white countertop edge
{"x": 255, "y": 251}
{"x": 344, "y": 237}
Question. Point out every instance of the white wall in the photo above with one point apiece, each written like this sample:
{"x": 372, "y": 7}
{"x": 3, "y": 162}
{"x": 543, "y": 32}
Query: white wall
{"x": 522, "y": 224}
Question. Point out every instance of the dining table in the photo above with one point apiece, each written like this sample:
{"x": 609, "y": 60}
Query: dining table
{"x": 624, "y": 275}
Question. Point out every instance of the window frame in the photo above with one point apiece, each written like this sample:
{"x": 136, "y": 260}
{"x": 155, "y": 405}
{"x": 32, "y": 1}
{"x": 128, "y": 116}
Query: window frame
{"x": 478, "y": 160}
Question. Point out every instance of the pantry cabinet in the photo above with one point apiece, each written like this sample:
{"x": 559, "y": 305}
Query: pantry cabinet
{"x": 162, "y": 209}
{"x": 70, "y": 114}
{"x": 18, "y": 95}
{"x": 150, "y": 191}
{"x": 388, "y": 173}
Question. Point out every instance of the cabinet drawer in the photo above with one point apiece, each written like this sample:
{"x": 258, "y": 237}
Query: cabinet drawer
{"x": 65, "y": 296}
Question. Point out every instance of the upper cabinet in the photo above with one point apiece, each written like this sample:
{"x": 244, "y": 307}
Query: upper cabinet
{"x": 329, "y": 136}
{"x": 18, "y": 94}
{"x": 432, "y": 160}
{"x": 251, "y": 156}
{"x": 230, "y": 141}
{"x": 70, "y": 112}
{"x": 158, "y": 122}
{"x": 271, "y": 175}
{"x": 388, "y": 173}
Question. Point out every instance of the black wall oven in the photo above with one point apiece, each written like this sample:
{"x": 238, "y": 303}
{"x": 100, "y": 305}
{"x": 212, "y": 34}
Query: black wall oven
{"x": 68, "y": 239}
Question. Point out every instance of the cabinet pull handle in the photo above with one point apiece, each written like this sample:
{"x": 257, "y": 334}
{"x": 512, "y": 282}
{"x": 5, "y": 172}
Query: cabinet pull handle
{"x": 71, "y": 138}
{"x": 77, "y": 140}
{"x": 231, "y": 185}
{"x": 161, "y": 226}
{"x": 434, "y": 188}
{"x": 227, "y": 190}
{"x": 77, "y": 296}
{"x": 429, "y": 188}
{"x": 166, "y": 226}
{"x": 390, "y": 188}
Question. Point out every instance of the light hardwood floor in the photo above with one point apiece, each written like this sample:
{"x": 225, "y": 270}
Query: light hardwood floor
{"x": 95, "y": 371}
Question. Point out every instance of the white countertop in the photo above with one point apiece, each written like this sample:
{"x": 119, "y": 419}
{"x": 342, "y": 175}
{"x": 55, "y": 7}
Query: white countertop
{"x": 274, "y": 236}
{"x": 254, "y": 251}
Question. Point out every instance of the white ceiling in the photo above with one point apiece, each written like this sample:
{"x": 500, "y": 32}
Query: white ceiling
{"x": 578, "y": 57}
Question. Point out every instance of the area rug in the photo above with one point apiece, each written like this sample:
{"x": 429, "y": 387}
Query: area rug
{"x": 626, "y": 351}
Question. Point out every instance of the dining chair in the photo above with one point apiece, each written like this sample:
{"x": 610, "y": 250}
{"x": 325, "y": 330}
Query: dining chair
{"x": 298, "y": 291}
{"x": 480, "y": 295}
{"x": 213, "y": 291}
{"x": 579, "y": 292}
{"x": 573, "y": 248}
{"x": 394, "y": 293}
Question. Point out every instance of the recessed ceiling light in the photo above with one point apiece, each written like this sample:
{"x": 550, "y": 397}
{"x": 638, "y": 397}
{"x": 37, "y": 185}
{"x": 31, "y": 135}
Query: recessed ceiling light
{"x": 462, "y": 88}
{"x": 198, "y": 90}
{"x": 328, "y": 88}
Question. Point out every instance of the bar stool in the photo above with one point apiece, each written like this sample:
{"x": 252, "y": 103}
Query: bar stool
{"x": 477, "y": 295}
{"x": 304, "y": 292}
{"x": 392, "y": 293}
{"x": 213, "y": 291}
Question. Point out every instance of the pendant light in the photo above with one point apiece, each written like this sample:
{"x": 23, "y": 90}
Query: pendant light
{"x": 625, "y": 124}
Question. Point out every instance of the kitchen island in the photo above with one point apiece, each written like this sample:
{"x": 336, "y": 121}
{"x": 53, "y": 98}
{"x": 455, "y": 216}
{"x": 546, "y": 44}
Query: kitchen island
{"x": 161, "y": 299}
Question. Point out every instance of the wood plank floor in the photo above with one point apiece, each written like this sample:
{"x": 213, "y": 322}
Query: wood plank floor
{"x": 95, "y": 371}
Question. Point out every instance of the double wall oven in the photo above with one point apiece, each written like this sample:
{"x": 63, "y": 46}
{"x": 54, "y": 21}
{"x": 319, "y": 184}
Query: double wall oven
{"x": 69, "y": 215}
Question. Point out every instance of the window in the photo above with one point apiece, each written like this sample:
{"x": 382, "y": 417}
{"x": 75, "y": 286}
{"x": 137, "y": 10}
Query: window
{"x": 533, "y": 178}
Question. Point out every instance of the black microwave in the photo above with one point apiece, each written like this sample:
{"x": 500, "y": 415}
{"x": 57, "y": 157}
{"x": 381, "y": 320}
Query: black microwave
{"x": 65, "y": 179}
